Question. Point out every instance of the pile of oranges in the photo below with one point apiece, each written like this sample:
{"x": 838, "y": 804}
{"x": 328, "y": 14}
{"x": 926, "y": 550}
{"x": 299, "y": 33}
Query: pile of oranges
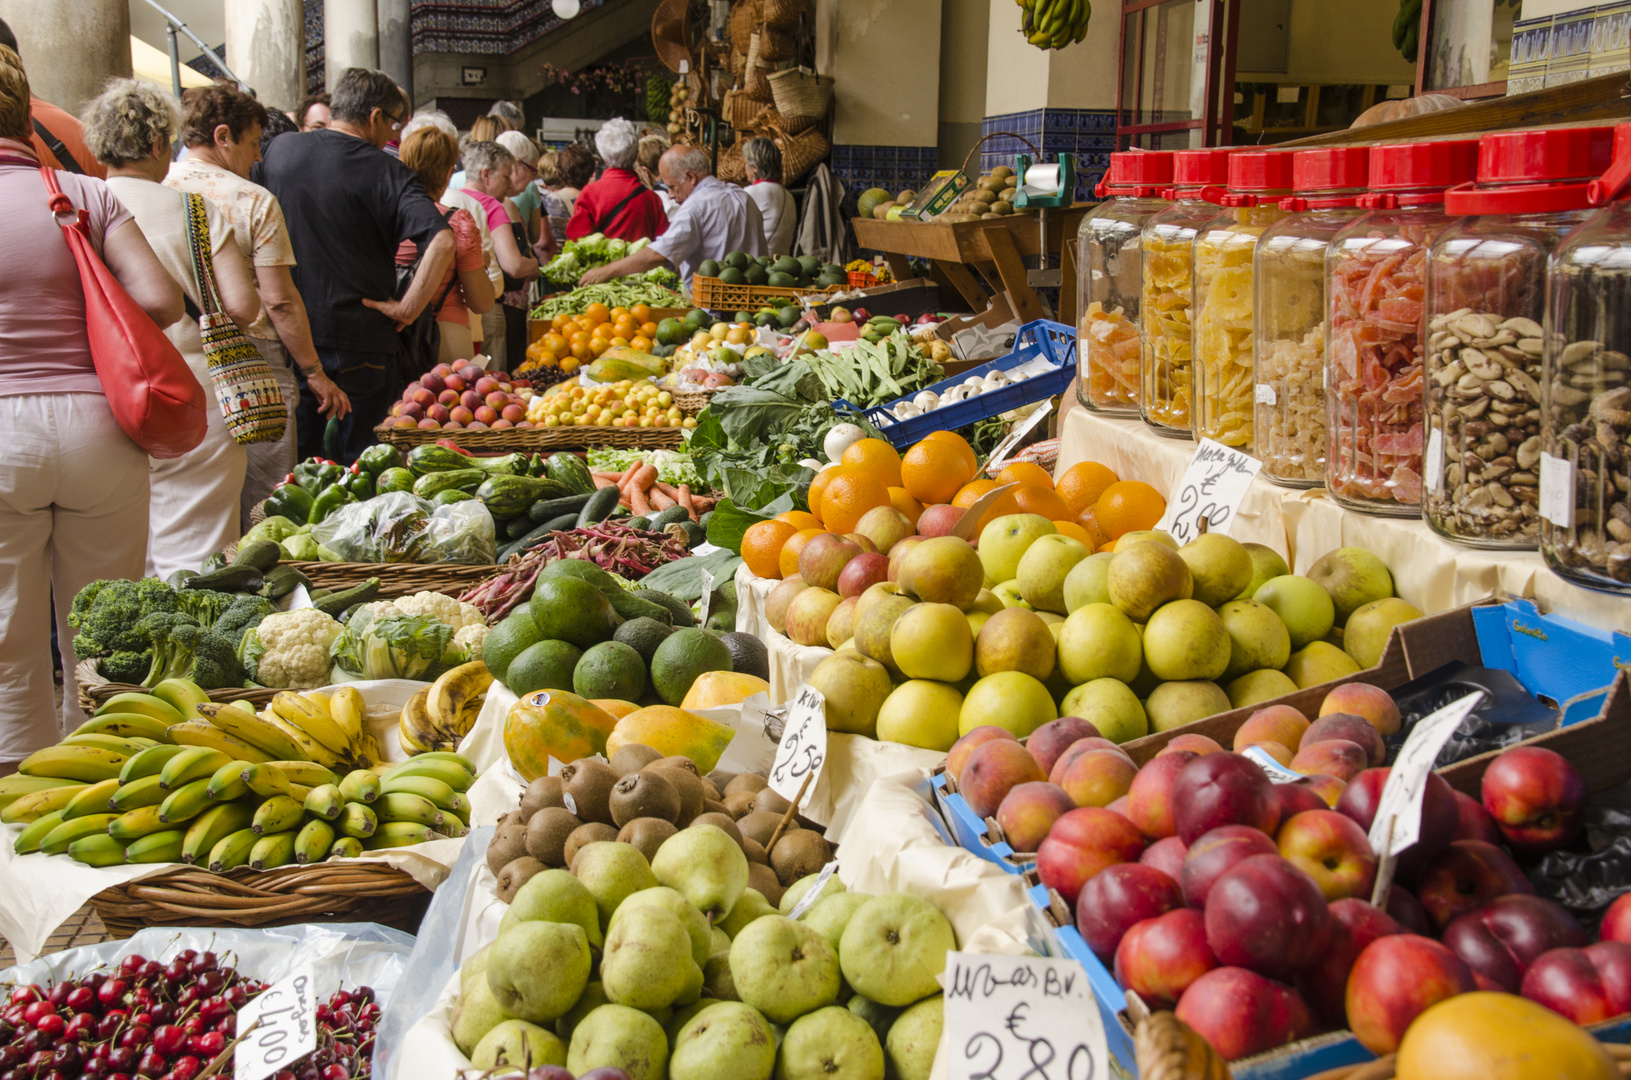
{"x": 574, "y": 340}
{"x": 1088, "y": 502}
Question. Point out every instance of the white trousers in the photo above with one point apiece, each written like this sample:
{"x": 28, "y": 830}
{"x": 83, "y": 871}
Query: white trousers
{"x": 73, "y": 509}
{"x": 196, "y": 499}
{"x": 269, "y": 463}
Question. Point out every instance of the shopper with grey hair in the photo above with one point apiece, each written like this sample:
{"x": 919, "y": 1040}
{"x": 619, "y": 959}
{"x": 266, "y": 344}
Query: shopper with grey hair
{"x": 618, "y": 204}
{"x": 510, "y": 113}
{"x": 775, "y": 202}
{"x": 528, "y": 198}
{"x": 714, "y": 218}
{"x": 131, "y": 127}
{"x": 435, "y": 118}
{"x": 488, "y": 171}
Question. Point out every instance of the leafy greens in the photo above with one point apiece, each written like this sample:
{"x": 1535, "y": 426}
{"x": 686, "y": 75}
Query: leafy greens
{"x": 593, "y": 250}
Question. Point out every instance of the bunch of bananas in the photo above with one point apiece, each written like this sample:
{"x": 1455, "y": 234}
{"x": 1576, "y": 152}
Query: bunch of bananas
{"x": 1053, "y": 24}
{"x": 1407, "y": 28}
{"x": 439, "y": 716}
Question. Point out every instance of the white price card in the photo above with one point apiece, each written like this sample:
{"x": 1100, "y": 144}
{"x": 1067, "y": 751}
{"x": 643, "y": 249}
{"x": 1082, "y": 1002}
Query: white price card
{"x": 1557, "y": 490}
{"x": 281, "y": 1027}
{"x": 803, "y": 748}
{"x": 707, "y": 597}
{"x": 1020, "y": 1018}
{"x": 1213, "y": 486}
{"x": 1432, "y": 465}
{"x": 1277, "y": 773}
{"x": 1407, "y": 779}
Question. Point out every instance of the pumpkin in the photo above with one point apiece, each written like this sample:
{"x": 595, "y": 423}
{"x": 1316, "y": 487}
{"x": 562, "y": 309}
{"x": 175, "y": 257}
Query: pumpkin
{"x": 554, "y": 724}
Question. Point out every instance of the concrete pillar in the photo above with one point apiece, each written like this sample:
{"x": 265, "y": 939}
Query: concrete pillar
{"x": 266, "y": 48}
{"x": 350, "y": 37}
{"x": 70, "y": 50}
{"x": 396, "y": 43}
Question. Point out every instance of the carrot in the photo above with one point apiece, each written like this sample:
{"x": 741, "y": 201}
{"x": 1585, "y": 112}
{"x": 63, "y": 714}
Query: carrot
{"x": 685, "y": 501}
{"x": 644, "y": 476}
{"x": 605, "y": 480}
{"x": 638, "y": 505}
{"x": 668, "y": 489}
{"x": 660, "y": 501}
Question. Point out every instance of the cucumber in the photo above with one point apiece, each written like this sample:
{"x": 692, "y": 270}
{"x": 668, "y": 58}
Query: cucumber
{"x": 537, "y": 536}
{"x": 336, "y": 602}
{"x": 599, "y": 507}
{"x": 518, "y": 527}
{"x": 228, "y": 579}
{"x": 259, "y": 555}
{"x": 549, "y": 509}
{"x": 671, "y": 516}
{"x": 281, "y": 581}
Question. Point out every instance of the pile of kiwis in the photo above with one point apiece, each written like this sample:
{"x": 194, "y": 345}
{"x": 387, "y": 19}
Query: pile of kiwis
{"x": 642, "y": 798}
{"x": 991, "y": 196}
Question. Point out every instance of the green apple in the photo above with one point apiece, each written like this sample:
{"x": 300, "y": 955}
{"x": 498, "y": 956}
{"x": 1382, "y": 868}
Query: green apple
{"x": 1319, "y": 662}
{"x": 1220, "y": 567}
{"x": 1045, "y": 566}
{"x": 1185, "y": 639}
{"x": 1258, "y": 686}
{"x": 1174, "y": 704}
{"x": 1353, "y": 577}
{"x": 1302, "y": 605}
{"x": 1369, "y": 626}
{"x": 921, "y": 712}
{"x": 1004, "y": 541}
{"x": 1266, "y": 563}
{"x": 1098, "y": 641}
{"x": 1009, "y": 593}
{"x": 1257, "y": 637}
{"x": 1087, "y": 582}
{"x": 1109, "y": 705}
{"x": 1009, "y": 699}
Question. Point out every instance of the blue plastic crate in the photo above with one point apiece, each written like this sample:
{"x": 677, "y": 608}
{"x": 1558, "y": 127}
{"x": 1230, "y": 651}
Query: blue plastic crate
{"x": 1054, "y": 342}
{"x": 969, "y": 831}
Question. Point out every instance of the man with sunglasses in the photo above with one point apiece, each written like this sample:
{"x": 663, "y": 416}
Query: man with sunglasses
{"x": 349, "y": 206}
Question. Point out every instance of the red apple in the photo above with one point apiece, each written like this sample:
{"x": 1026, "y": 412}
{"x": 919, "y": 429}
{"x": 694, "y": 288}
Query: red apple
{"x": 1473, "y": 821}
{"x": 1159, "y": 958}
{"x": 957, "y": 756}
{"x": 1222, "y": 789}
{"x": 1331, "y": 757}
{"x": 1241, "y": 1013}
{"x": 1537, "y": 799}
{"x": 1118, "y": 898}
{"x": 1296, "y": 797}
{"x": 1167, "y": 856}
{"x": 992, "y": 770}
{"x": 1277, "y": 723}
{"x": 781, "y": 598}
{"x": 1149, "y": 800}
{"x": 1215, "y": 854}
{"x": 1438, "y": 817}
{"x": 1029, "y": 810}
{"x": 1095, "y": 778}
{"x": 1332, "y": 850}
{"x": 1395, "y": 980}
{"x": 1324, "y": 983}
{"x": 861, "y": 573}
{"x": 1267, "y": 915}
{"x": 864, "y": 543}
{"x": 898, "y": 553}
{"x": 1082, "y": 843}
{"x": 824, "y": 558}
{"x": 807, "y": 617}
{"x": 1468, "y": 875}
{"x": 1196, "y": 744}
{"x": 1501, "y": 939}
{"x": 1586, "y": 985}
{"x": 1349, "y": 728}
{"x": 1616, "y": 924}
{"x": 1050, "y": 740}
{"x": 1362, "y": 699}
{"x": 939, "y": 519}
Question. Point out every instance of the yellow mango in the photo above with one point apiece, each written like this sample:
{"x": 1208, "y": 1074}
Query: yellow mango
{"x": 715, "y": 688}
{"x": 671, "y": 732}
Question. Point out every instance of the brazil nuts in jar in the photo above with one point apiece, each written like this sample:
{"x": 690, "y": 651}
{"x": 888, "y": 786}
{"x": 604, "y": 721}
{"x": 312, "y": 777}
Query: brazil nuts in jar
{"x": 1108, "y": 288}
{"x": 1288, "y": 313}
{"x": 1486, "y": 279}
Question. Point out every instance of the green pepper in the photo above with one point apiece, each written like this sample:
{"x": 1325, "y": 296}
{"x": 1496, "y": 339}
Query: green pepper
{"x": 359, "y": 484}
{"x": 331, "y": 499}
{"x": 377, "y": 458}
{"x": 316, "y": 474}
{"x": 289, "y": 500}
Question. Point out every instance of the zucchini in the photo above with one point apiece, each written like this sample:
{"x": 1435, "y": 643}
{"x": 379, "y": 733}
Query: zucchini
{"x": 508, "y": 496}
{"x": 518, "y": 527}
{"x": 549, "y": 509}
{"x": 215, "y": 562}
{"x": 570, "y": 470}
{"x": 673, "y": 515}
{"x": 433, "y": 484}
{"x": 431, "y": 458}
{"x": 537, "y": 536}
{"x": 178, "y": 579}
{"x": 335, "y": 602}
{"x": 599, "y": 507}
{"x": 452, "y": 495}
{"x": 281, "y": 580}
{"x": 260, "y": 555}
{"x": 228, "y": 579}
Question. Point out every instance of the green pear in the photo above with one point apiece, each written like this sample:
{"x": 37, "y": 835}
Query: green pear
{"x": 727, "y": 1040}
{"x": 695, "y": 925}
{"x": 783, "y": 968}
{"x": 618, "y": 1037}
{"x": 475, "y": 964}
{"x": 539, "y": 969}
{"x": 592, "y": 998}
{"x": 913, "y": 1039}
{"x": 881, "y": 1017}
{"x": 1087, "y": 582}
{"x": 830, "y": 1044}
{"x": 695, "y": 984}
{"x": 477, "y": 1013}
{"x": 516, "y": 1042}
{"x": 752, "y": 905}
{"x": 555, "y": 896}
{"x": 795, "y": 892}
{"x": 718, "y": 940}
{"x": 716, "y": 978}
{"x": 706, "y": 866}
{"x": 612, "y": 872}
{"x": 831, "y": 914}
{"x": 676, "y": 1023}
{"x": 894, "y": 946}
{"x": 647, "y": 963}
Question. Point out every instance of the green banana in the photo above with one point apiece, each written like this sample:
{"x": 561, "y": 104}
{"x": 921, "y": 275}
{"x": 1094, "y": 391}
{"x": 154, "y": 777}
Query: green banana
{"x": 29, "y": 839}
{"x": 266, "y": 779}
{"x": 90, "y": 800}
{"x": 313, "y": 841}
{"x": 442, "y": 755}
{"x": 325, "y": 801}
{"x": 187, "y": 802}
{"x": 137, "y": 823}
{"x": 57, "y": 840}
{"x": 227, "y": 782}
{"x": 183, "y": 695}
{"x": 232, "y": 851}
{"x": 156, "y": 847}
{"x": 454, "y": 825}
{"x": 278, "y": 814}
{"x": 451, "y": 773}
{"x": 145, "y": 704}
{"x": 98, "y": 850}
{"x": 345, "y": 847}
{"x": 360, "y": 786}
{"x": 427, "y": 787}
{"x": 401, "y": 834}
{"x": 273, "y": 851}
{"x": 401, "y": 806}
{"x": 144, "y": 791}
{"x": 15, "y": 787}
{"x": 213, "y": 826}
{"x": 194, "y": 763}
{"x": 148, "y": 762}
{"x": 356, "y": 820}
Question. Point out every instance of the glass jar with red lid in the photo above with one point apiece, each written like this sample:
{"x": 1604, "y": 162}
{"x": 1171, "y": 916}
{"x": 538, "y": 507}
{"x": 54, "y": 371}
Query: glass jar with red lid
{"x": 1486, "y": 303}
{"x": 1111, "y": 279}
{"x": 1258, "y": 180}
{"x": 1376, "y": 291}
{"x": 1585, "y": 461}
{"x": 1166, "y": 392}
{"x": 1288, "y": 312}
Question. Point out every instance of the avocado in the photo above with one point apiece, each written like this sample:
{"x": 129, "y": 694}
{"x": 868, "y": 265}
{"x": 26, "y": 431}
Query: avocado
{"x": 785, "y": 266}
{"x": 679, "y": 609}
{"x": 697, "y": 319}
{"x": 547, "y": 665}
{"x": 682, "y": 657}
{"x": 834, "y": 268}
{"x": 732, "y": 276}
{"x": 735, "y": 260}
{"x": 782, "y": 281}
{"x": 709, "y": 268}
{"x": 755, "y": 274}
{"x": 671, "y": 332}
{"x": 642, "y": 635}
{"x": 766, "y": 318}
{"x": 788, "y": 316}
{"x": 507, "y": 640}
{"x": 748, "y": 654}
{"x": 827, "y": 281}
{"x": 571, "y": 609}
{"x": 741, "y": 316}
{"x": 809, "y": 264}
{"x": 610, "y": 670}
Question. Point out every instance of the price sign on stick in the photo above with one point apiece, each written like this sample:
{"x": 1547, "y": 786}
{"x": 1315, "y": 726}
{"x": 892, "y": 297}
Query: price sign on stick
{"x": 1020, "y": 1018}
{"x": 284, "y": 1022}
{"x": 1213, "y": 486}
{"x": 707, "y": 597}
{"x": 803, "y": 748}
{"x": 1397, "y": 824}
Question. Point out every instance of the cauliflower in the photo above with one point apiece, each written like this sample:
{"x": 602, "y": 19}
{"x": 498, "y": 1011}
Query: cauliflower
{"x": 471, "y": 638}
{"x": 290, "y": 648}
{"x": 445, "y": 608}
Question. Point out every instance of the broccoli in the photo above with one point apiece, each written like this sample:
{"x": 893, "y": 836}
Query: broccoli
{"x": 215, "y": 662}
{"x": 205, "y": 605}
{"x": 125, "y": 667}
{"x": 106, "y": 613}
{"x": 245, "y": 612}
{"x": 182, "y": 649}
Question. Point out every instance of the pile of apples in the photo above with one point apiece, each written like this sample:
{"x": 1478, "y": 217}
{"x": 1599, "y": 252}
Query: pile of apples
{"x": 452, "y": 398}
{"x": 1245, "y": 904}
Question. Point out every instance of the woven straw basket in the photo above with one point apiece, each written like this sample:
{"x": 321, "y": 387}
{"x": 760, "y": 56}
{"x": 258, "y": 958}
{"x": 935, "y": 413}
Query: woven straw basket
{"x": 94, "y": 690}
{"x": 775, "y": 45}
{"x": 801, "y": 153}
{"x": 800, "y": 92}
{"x": 783, "y": 14}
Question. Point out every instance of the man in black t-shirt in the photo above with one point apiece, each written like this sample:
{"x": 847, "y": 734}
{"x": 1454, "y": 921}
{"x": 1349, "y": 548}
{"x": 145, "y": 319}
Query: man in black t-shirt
{"x": 349, "y": 206}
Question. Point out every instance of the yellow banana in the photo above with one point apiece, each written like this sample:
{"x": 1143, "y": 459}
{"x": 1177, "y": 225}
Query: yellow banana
{"x": 99, "y": 850}
{"x": 360, "y": 785}
{"x": 451, "y": 694}
{"x": 36, "y": 804}
{"x": 29, "y": 839}
{"x": 306, "y": 747}
{"x": 427, "y": 787}
{"x": 349, "y": 711}
{"x": 306, "y": 772}
{"x": 57, "y": 840}
{"x": 312, "y": 842}
{"x": 137, "y": 823}
{"x": 197, "y": 763}
{"x": 146, "y": 791}
{"x": 345, "y": 847}
{"x": 227, "y": 783}
{"x": 126, "y": 747}
{"x": 14, "y": 787}
{"x": 271, "y": 852}
{"x": 453, "y": 825}
{"x": 203, "y": 733}
{"x": 298, "y": 792}
{"x": 85, "y": 763}
{"x": 451, "y": 773}
{"x": 149, "y": 762}
{"x": 124, "y": 725}
{"x": 146, "y": 704}
{"x": 368, "y": 753}
{"x": 265, "y": 779}
{"x": 183, "y": 695}
{"x": 185, "y": 802}
{"x": 91, "y": 800}
{"x": 156, "y": 847}
{"x": 241, "y": 723}
{"x": 401, "y": 806}
{"x": 416, "y": 723}
{"x": 278, "y": 814}
{"x": 313, "y": 718}
{"x": 213, "y": 826}
{"x": 232, "y": 851}
{"x": 401, "y": 834}
{"x": 325, "y": 801}
{"x": 356, "y": 820}
{"x": 410, "y": 745}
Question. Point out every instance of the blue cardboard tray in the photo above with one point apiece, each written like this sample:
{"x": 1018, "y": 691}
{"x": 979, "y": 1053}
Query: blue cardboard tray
{"x": 1554, "y": 657}
{"x": 969, "y": 831}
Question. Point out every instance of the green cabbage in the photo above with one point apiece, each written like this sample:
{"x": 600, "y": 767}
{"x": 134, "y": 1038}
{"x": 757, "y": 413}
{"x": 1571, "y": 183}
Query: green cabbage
{"x": 399, "y": 647}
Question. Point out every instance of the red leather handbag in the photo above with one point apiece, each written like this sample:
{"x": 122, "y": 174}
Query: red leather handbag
{"x": 154, "y": 395}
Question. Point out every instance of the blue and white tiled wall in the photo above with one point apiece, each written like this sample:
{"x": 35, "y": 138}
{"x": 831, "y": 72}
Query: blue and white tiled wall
{"x": 1089, "y": 134}
{"x": 890, "y": 167}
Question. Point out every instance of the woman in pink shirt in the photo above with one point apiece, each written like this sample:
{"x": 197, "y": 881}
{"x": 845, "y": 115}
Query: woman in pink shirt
{"x": 488, "y": 171}
{"x": 434, "y": 154}
{"x": 73, "y": 487}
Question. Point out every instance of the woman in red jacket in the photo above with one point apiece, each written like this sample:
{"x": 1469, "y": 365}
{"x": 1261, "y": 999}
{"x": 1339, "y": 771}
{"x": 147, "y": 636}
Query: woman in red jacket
{"x": 617, "y": 205}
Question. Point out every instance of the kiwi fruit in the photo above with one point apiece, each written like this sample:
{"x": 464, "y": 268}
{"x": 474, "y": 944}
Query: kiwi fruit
{"x": 509, "y": 843}
{"x": 755, "y": 851}
{"x": 547, "y": 832}
{"x": 686, "y": 784}
{"x": 647, "y": 793}
{"x": 722, "y": 821}
{"x": 633, "y": 758}
{"x": 679, "y": 761}
{"x": 710, "y": 790}
{"x": 646, "y": 835}
{"x": 762, "y": 827}
{"x": 719, "y": 778}
{"x": 796, "y": 855}
{"x": 768, "y": 802}
{"x": 542, "y": 792}
{"x": 752, "y": 783}
{"x": 589, "y": 783}
{"x": 587, "y": 834}
{"x": 740, "y": 804}
{"x": 714, "y": 806}
{"x": 513, "y": 815}
{"x": 515, "y": 874}
{"x": 764, "y": 879}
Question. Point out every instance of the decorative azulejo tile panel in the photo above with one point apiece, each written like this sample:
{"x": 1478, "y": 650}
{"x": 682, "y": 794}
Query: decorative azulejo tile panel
{"x": 1089, "y": 134}
{"x": 890, "y": 167}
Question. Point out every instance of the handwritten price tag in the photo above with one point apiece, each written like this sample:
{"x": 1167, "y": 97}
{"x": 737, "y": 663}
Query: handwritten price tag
{"x": 803, "y": 748}
{"x": 284, "y": 1019}
{"x": 707, "y": 597}
{"x": 1407, "y": 780}
{"x": 1020, "y": 1018}
{"x": 1213, "y": 487}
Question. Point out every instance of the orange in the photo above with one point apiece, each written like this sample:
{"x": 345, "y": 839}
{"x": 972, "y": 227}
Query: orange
{"x": 934, "y": 470}
{"x": 962, "y": 445}
{"x": 800, "y": 519}
{"x": 1082, "y": 484}
{"x": 640, "y": 343}
{"x": 1072, "y": 530}
{"x": 819, "y": 485}
{"x": 1108, "y": 545}
{"x": 788, "y": 561}
{"x": 596, "y": 313}
{"x": 1025, "y": 472}
{"x": 641, "y": 312}
{"x": 762, "y": 547}
{"x": 1088, "y": 520}
{"x": 849, "y": 495}
{"x": 970, "y": 492}
{"x": 876, "y": 457}
{"x": 1031, "y": 499}
{"x": 1127, "y": 506}
{"x": 901, "y": 500}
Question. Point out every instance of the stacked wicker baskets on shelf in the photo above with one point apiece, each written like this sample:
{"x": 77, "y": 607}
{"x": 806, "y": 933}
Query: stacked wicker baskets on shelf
{"x": 785, "y": 106}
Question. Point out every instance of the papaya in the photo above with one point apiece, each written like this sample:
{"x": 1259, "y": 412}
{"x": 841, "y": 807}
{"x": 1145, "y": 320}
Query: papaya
{"x": 624, "y": 363}
{"x": 556, "y": 724}
{"x": 616, "y": 706}
{"x": 672, "y": 732}
{"x": 715, "y": 688}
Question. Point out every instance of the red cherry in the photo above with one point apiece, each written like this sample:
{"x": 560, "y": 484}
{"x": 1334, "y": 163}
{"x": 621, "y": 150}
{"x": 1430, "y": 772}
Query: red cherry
{"x": 123, "y": 1058}
{"x": 209, "y": 1044}
{"x": 186, "y": 1068}
{"x": 152, "y": 1064}
{"x": 169, "y": 1039}
{"x": 82, "y": 999}
{"x": 136, "y": 1036}
{"x": 59, "y": 994}
{"x": 51, "y": 1026}
{"x": 336, "y": 1072}
{"x": 144, "y": 1018}
{"x": 112, "y": 992}
{"x": 22, "y": 995}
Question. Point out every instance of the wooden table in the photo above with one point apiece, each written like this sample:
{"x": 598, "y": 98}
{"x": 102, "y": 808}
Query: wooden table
{"x": 998, "y": 249}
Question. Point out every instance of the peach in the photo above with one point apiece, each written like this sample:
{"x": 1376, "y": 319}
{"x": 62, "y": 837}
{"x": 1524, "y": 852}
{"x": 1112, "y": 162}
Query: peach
{"x": 1275, "y": 750}
{"x": 455, "y": 382}
{"x": 1159, "y": 958}
{"x": 1473, "y": 821}
{"x": 1536, "y": 797}
{"x": 1468, "y": 875}
{"x": 1616, "y": 925}
{"x": 1266, "y": 914}
{"x": 957, "y": 756}
{"x": 485, "y": 385}
{"x": 1329, "y": 788}
{"x": 1348, "y": 728}
{"x": 1118, "y": 898}
{"x": 1149, "y": 799}
{"x": 1396, "y": 979}
{"x": 1586, "y": 985}
{"x": 1354, "y": 925}
{"x": 1362, "y": 699}
{"x": 427, "y": 423}
{"x": 1199, "y": 744}
{"x": 995, "y": 768}
{"x": 1080, "y": 747}
{"x": 1029, "y": 810}
{"x": 1215, "y": 854}
{"x": 471, "y": 400}
{"x": 1277, "y": 723}
{"x": 1052, "y": 739}
{"x": 1241, "y": 1013}
{"x": 1222, "y": 789}
{"x": 1082, "y": 843}
{"x": 1167, "y": 856}
{"x": 1331, "y": 849}
{"x": 485, "y": 415}
{"x": 1096, "y": 778}
{"x": 449, "y": 398}
{"x": 458, "y": 414}
{"x": 1333, "y": 757}
{"x": 513, "y": 413}
{"x": 1297, "y": 797}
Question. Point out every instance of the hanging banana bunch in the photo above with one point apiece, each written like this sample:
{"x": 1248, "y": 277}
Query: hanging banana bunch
{"x": 1053, "y": 24}
{"x": 1407, "y": 28}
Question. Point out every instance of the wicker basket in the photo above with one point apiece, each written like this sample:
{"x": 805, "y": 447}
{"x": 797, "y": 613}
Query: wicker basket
{"x": 800, "y": 92}
{"x": 775, "y": 45}
{"x": 744, "y": 18}
{"x": 692, "y": 402}
{"x": 397, "y": 579}
{"x": 716, "y": 295}
{"x": 742, "y": 112}
{"x": 340, "y": 891}
{"x": 783, "y": 14}
{"x": 732, "y": 167}
{"x": 756, "y": 81}
{"x": 94, "y": 690}
{"x": 801, "y": 153}
{"x": 510, "y": 440}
